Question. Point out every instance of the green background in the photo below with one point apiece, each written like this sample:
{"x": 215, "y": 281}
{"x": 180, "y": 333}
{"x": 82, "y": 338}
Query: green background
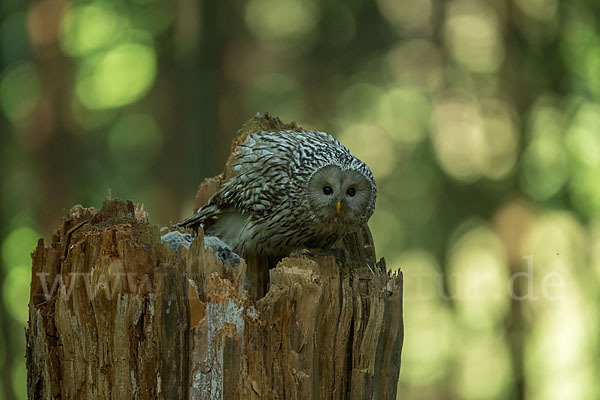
{"x": 480, "y": 121}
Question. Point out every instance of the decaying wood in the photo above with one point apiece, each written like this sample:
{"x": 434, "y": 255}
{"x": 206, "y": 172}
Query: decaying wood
{"x": 114, "y": 313}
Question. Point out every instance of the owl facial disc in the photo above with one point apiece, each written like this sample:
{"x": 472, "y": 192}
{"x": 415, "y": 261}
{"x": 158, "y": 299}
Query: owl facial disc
{"x": 334, "y": 192}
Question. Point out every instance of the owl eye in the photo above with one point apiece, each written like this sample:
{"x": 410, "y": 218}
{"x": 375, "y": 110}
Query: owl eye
{"x": 351, "y": 192}
{"x": 327, "y": 190}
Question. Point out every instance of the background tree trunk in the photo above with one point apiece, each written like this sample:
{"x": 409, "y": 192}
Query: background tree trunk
{"x": 115, "y": 313}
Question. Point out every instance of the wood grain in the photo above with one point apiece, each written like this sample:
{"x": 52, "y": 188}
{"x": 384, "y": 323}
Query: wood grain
{"x": 114, "y": 313}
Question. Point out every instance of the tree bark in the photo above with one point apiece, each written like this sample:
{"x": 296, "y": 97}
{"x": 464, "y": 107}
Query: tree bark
{"x": 115, "y": 313}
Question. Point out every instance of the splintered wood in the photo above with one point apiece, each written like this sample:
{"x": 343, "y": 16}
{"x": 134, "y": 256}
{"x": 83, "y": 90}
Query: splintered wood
{"x": 114, "y": 313}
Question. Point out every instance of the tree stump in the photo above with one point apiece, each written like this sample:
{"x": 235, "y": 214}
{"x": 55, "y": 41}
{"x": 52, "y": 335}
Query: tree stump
{"x": 115, "y": 313}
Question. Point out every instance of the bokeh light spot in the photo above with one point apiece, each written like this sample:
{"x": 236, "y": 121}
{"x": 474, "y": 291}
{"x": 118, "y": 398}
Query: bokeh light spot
{"x": 15, "y": 292}
{"x": 92, "y": 119}
{"x": 360, "y": 139}
{"x": 584, "y": 190}
{"x": 592, "y": 68}
{"x": 88, "y": 27}
{"x": 422, "y": 269}
{"x": 473, "y": 36}
{"x": 18, "y": 245}
{"x": 583, "y": 136}
{"x": 278, "y": 94}
{"x": 19, "y": 378}
{"x": 19, "y": 91}
{"x": 388, "y": 231}
{"x": 583, "y": 143}
{"x": 555, "y": 233}
{"x": 428, "y": 320}
{"x": 117, "y": 76}
{"x": 134, "y": 141}
{"x": 537, "y": 20}
{"x": 412, "y": 190}
{"x": 484, "y": 370}
{"x": 502, "y": 137}
{"x": 459, "y": 139}
{"x": 559, "y": 361}
{"x": 404, "y": 114}
{"x": 19, "y": 190}
{"x": 578, "y": 40}
{"x": 542, "y": 10}
{"x": 274, "y": 20}
{"x": 477, "y": 277}
{"x": 430, "y": 332}
{"x": 417, "y": 64}
{"x": 355, "y": 102}
{"x": 406, "y": 15}
{"x": 544, "y": 168}
{"x": 595, "y": 247}
{"x": 547, "y": 119}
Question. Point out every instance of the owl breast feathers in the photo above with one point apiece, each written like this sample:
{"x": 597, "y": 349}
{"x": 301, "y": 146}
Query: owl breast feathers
{"x": 289, "y": 190}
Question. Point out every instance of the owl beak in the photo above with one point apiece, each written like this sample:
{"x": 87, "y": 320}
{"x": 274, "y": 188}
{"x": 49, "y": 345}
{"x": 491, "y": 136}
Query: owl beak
{"x": 338, "y": 206}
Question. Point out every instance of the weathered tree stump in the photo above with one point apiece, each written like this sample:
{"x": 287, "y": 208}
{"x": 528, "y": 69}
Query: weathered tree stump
{"x": 115, "y": 313}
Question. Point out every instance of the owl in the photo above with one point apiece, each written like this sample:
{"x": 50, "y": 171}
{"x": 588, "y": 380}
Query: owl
{"x": 289, "y": 191}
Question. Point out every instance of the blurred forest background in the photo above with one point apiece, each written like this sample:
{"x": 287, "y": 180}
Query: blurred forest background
{"x": 479, "y": 118}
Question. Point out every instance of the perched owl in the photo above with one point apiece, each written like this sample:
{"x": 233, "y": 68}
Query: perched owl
{"x": 289, "y": 190}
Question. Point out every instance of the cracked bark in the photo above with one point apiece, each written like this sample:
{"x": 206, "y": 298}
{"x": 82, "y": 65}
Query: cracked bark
{"x": 114, "y": 313}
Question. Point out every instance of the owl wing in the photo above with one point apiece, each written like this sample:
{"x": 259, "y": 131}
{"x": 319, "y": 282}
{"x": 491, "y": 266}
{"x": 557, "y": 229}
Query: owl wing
{"x": 261, "y": 175}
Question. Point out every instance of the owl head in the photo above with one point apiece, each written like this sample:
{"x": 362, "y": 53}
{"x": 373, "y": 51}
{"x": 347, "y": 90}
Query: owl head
{"x": 343, "y": 193}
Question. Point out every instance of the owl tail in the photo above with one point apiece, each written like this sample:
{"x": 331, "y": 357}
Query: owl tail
{"x": 203, "y": 214}
{"x": 192, "y": 221}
